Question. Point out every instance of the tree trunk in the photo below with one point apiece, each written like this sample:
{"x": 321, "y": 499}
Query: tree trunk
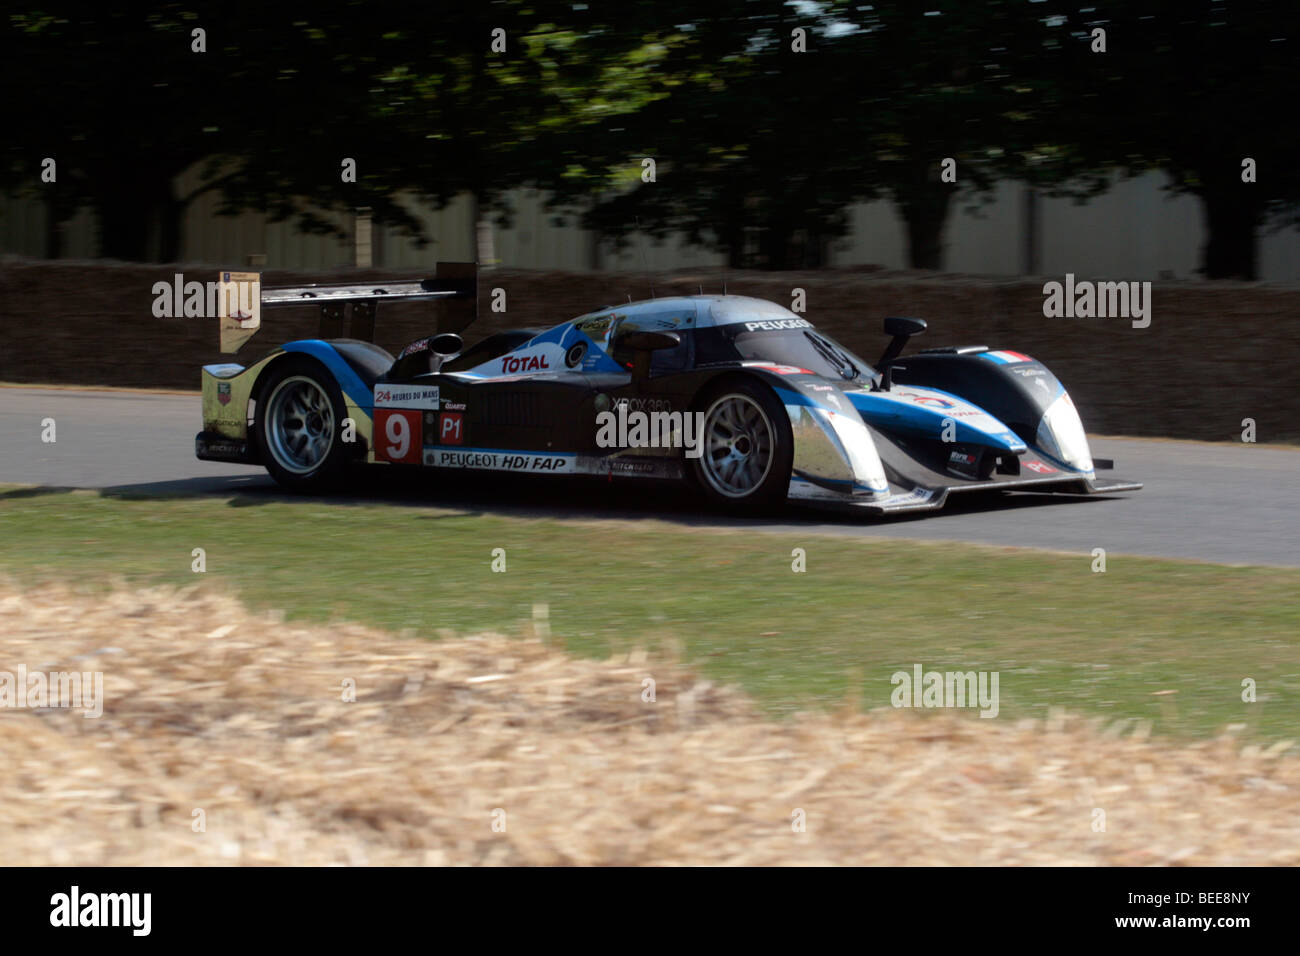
{"x": 736, "y": 253}
{"x": 732, "y": 240}
{"x": 136, "y": 205}
{"x": 774, "y": 246}
{"x": 926, "y": 215}
{"x": 1231, "y": 222}
{"x": 123, "y": 226}
{"x": 169, "y": 213}
{"x": 54, "y": 219}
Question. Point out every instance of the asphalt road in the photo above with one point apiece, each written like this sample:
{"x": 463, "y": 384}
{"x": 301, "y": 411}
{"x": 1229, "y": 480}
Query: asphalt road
{"x": 1223, "y": 503}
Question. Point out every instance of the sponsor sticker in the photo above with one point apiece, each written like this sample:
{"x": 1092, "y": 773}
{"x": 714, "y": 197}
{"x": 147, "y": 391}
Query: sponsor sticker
{"x": 644, "y": 404}
{"x": 520, "y": 461}
{"x": 597, "y": 326}
{"x": 407, "y": 396}
{"x": 963, "y": 463}
{"x": 223, "y": 447}
{"x": 776, "y": 325}
{"x": 914, "y": 497}
{"x": 419, "y": 345}
{"x": 930, "y": 401}
{"x": 778, "y": 369}
{"x": 524, "y": 363}
{"x": 1040, "y": 467}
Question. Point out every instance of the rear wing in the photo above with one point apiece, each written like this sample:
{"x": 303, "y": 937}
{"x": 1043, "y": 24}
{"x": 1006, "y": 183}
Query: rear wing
{"x": 241, "y": 299}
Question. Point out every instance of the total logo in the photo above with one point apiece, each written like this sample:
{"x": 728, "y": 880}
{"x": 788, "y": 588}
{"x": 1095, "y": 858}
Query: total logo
{"x": 524, "y": 363}
{"x": 931, "y": 401}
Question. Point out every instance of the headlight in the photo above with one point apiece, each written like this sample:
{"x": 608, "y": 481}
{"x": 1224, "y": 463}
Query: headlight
{"x": 1060, "y": 434}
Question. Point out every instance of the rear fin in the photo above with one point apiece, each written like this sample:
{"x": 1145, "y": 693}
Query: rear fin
{"x": 239, "y": 308}
{"x": 458, "y": 312}
{"x": 454, "y": 290}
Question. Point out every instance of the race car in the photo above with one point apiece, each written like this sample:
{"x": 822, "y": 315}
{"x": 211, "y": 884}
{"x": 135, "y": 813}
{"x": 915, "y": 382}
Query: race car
{"x": 742, "y": 398}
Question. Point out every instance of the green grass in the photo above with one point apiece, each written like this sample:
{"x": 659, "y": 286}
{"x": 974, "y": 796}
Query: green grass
{"x": 1060, "y": 635}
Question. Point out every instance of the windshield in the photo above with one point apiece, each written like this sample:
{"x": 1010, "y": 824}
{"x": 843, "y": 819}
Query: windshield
{"x": 805, "y": 348}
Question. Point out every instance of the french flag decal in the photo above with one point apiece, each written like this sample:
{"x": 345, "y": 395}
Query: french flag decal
{"x": 1004, "y": 357}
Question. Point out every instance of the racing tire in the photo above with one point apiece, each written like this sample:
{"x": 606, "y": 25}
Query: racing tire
{"x": 299, "y": 425}
{"x": 748, "y": 447}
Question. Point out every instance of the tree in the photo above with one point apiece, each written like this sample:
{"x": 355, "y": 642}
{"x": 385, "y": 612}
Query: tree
{"x": 759, "y": 144}
{"x": 1193, "y": 88}
{"x": 274, "y": 105}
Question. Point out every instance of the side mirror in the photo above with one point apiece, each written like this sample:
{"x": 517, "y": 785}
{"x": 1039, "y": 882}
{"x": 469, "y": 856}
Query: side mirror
{"x": 642, "y": 345}
{"x": 898, "y": 325}
{"x": 901, "y": 329}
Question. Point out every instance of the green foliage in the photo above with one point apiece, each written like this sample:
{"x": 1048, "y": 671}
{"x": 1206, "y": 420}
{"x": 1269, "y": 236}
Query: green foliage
{"x": 1112, "y": 644}
{"x": 759, "y": 149}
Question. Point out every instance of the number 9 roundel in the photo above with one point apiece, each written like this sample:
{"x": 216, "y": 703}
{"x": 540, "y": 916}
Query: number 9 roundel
{"x": 397, "y": 432}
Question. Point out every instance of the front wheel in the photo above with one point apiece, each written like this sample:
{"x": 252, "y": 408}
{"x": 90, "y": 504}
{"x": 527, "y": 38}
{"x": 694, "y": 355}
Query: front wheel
{"x": 747, "y": 447}
{"x": 299, "y": 420}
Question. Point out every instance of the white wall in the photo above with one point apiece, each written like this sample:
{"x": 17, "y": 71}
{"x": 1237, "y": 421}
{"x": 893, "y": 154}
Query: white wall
{"x": 1134, "y": 231}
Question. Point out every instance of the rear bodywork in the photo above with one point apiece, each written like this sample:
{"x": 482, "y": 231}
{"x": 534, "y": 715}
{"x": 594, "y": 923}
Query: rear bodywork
{"x": 898, "y": 437}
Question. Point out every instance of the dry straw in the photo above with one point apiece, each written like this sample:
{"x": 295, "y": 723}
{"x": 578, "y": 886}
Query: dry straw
{"x": 212, "y": 708}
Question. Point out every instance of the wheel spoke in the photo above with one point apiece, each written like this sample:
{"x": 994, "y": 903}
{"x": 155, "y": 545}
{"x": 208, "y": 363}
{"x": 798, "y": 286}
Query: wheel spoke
{"x": 299, "y": 425}
{"x": 739, "y": 444}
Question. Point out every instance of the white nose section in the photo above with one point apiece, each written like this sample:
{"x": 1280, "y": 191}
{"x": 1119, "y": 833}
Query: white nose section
{"x": 1061, "y": 435}
{"x": 858, "y": 448}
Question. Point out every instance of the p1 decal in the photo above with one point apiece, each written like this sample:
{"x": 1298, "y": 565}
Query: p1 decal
{"x": 451, "y": 428}
{"x": 1039, "y": 467}
{"x": 397, "y": 433}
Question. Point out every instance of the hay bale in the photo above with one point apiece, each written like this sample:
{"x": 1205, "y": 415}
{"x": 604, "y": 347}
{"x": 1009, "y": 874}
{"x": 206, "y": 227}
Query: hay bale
{"x": 241, "y": 716}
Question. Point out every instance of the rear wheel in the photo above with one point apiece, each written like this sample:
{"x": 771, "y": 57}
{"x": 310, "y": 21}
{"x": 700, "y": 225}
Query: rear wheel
{"x": 747, "y": 444}
{"x": 300, "y": 413}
